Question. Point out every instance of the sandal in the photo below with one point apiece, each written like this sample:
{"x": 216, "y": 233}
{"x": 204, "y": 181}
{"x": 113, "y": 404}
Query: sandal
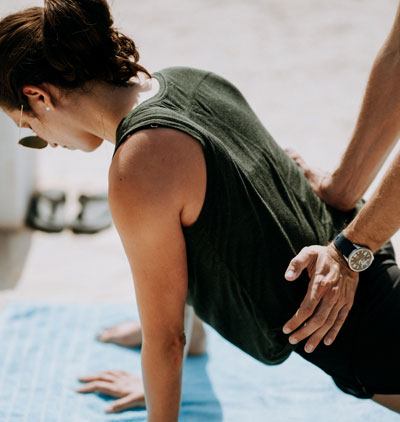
{"x": 94, "y": 216}
{"x": 46, "y": 211}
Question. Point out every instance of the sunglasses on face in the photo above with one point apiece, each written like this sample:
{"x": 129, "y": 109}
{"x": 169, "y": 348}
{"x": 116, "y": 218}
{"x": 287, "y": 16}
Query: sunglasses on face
{"x": 30, "y": 141}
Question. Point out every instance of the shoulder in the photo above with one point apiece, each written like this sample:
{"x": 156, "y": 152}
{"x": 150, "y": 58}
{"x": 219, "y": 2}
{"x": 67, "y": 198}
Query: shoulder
{"x": 184, "y": 75}
{"x": 182, "y": 70}
{"x": 152, "y": 169}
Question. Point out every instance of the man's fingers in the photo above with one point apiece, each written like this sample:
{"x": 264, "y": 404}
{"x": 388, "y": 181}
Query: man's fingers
{"x": 320, "y": 333}
{"x": 129, "y": 402}
{"x": 297, "y": 158}
{"x": 305, "y": 258}
{"x": 302, "y": 314}
{"x": 318, "y": 287}
{"x": 325, "y": 313}
{"x": 307, "y": 306}
{"x": 334, "y": 331}
{"x": 321, "y": 316}
{"x": 313, "y": 175}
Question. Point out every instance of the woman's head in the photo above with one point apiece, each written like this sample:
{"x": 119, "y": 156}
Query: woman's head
{"x": 67, "y": 43}
{"x": 64, "y": 45}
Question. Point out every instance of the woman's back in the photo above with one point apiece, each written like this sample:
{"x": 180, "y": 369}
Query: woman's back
{"x": 259, "y": 211}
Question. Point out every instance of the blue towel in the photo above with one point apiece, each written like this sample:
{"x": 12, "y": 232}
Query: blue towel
{"x": 44, "y": 348}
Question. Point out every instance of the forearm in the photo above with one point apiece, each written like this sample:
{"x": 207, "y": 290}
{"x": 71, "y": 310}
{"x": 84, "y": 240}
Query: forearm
{"x": 376, "y": 131}
{"x": 162, "y": 376}
{"x": 379, "y": 219}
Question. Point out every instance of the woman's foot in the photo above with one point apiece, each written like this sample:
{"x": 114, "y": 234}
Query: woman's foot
{"x": 129, "y": 334}
{"x": 198, "y": 342}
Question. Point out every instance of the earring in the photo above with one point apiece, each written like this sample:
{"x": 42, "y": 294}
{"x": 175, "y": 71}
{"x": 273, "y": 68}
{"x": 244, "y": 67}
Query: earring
{"x": 48, "y": 108}
{"x": 30, "y": 141}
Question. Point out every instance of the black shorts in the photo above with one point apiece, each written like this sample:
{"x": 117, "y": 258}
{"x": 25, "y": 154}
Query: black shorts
{"x": 365, "y": 357}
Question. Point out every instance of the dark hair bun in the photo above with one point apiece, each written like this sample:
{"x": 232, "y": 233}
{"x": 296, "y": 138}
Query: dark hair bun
{"x": 68, "y": 43}
{"x": 81, "y": 44}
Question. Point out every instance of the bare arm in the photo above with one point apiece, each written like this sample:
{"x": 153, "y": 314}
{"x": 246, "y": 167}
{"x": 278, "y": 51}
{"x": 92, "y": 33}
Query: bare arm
{"x": 146, "y": 201}
{"x": 379, "y": 219}
{"x": 376, "y": 131}
{"x": 332, "y": 286}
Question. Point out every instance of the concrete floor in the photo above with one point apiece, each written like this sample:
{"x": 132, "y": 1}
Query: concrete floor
{"x": 301, "y": 64}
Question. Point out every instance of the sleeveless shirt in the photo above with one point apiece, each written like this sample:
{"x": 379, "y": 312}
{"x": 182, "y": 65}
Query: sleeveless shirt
{"x": 259, "y": 211}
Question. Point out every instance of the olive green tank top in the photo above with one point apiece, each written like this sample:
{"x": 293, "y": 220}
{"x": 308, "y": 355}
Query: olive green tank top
{"x": 258, "y": 212}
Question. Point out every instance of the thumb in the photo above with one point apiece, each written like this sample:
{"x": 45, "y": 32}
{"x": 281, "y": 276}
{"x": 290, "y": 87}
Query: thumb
{"x": 299, "y": 263}
{"x": 128, "y": 402}
{"x": 106, "y": 336}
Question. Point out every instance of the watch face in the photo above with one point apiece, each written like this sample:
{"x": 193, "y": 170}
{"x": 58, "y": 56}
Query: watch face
{"x": 360, "y": 259}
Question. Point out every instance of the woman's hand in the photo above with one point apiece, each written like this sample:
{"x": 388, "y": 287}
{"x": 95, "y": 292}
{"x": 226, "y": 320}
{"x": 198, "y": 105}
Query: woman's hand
{"x": 126, "y": 387}
{"x": 329, "y": 297}
{"x": 321, "y": 183}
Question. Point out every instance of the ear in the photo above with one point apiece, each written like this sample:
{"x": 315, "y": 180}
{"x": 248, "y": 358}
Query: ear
{"x": 39, "y": 98}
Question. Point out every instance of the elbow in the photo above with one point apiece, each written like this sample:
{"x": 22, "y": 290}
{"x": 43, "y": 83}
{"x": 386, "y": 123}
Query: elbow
{"x": 170, "y": 348}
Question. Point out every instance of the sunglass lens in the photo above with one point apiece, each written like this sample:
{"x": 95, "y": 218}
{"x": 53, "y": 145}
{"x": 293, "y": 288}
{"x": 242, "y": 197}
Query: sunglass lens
{"x": 33, "y": 142}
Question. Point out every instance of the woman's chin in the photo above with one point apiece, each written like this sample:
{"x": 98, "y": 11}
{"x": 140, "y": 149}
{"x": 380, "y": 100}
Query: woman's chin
{"x": 92, "y": 146}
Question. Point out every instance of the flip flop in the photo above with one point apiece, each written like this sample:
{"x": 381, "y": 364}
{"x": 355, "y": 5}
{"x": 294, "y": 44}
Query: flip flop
{"x": 46, "y": 211}
{"x": 94, "y": 216}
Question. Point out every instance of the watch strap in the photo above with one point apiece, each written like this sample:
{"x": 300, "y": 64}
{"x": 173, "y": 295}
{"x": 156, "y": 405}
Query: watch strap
{"x": 344, "y": 245}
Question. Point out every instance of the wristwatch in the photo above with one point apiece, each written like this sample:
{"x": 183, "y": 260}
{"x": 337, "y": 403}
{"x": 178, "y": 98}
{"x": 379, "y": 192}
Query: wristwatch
{"x": 358, "y": 258}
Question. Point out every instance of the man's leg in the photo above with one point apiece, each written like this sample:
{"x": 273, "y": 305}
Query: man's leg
{"x": 392, "y": 402}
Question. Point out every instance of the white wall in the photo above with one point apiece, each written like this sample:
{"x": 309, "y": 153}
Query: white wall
{"x": 17, "y": 176}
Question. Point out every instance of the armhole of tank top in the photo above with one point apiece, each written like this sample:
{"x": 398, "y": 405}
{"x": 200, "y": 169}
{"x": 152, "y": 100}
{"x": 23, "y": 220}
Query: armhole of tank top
{"x": 191, "y": 131}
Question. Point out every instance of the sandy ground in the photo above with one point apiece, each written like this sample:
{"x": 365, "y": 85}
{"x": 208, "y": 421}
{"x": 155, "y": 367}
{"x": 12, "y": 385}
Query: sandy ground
{"x": 303, "y": 66}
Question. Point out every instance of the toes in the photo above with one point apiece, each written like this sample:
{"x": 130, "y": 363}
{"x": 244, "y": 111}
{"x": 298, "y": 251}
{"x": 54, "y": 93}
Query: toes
{"x": 107, "y": 335}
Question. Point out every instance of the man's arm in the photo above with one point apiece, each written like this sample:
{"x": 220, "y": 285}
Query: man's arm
{"x": 332, "y": 285}
{"x": 379, "y": 219}
{"x": 146, "y": 201}
{"x": 376, "y": 131}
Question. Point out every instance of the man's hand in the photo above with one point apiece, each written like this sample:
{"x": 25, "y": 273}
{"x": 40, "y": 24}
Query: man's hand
{"x": 321, "y": 182}
{"x": 126, "y": 387}
{"x": 329, "y": 297}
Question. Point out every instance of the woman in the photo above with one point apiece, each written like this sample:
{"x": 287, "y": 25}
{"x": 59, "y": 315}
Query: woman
{"x": 209, "y": 209}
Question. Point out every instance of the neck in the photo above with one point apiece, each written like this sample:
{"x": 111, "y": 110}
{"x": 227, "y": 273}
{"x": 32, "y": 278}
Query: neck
{"x": 101, "y": 107}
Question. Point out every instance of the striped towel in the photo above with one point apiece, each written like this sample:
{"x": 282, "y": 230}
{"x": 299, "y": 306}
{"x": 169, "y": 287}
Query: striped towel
{"x": 44, "y": 348}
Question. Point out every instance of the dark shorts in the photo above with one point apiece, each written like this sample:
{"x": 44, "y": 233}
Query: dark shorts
{"x": 365, "y": 357}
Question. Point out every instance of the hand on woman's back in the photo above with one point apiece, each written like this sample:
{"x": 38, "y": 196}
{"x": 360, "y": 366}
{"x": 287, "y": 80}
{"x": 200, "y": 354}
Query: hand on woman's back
{"x": 320, "y": 181}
